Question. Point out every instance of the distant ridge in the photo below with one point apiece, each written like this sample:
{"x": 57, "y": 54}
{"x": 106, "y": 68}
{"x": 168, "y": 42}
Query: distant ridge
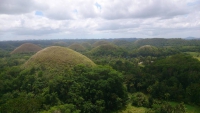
{"x": 191, "y": 38}
{"x": 60, "y": 43}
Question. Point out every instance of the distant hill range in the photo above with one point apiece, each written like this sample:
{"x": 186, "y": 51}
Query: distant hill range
{"x": 10, "y": 45}
{"x": 166, "y": 42}
{"x": 191, "y": 38}
{"x": 89, "y": 43}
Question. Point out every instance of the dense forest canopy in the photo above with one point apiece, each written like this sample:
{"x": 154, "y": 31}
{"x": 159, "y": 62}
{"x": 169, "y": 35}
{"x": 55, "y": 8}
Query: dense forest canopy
{"x": 112, "y": 75}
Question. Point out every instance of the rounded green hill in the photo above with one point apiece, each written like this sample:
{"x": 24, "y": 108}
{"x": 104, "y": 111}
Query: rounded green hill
{"x": 107, "y": 49}
{"x": 98, "y": 43}
{"x": 148, "y": 50}
{"x": 27, "y": 48}
{"x": 119, "y": 42}
{"x": 57, "y": 58}
{"x": 87, "y": 45}
{"x": 77, "y": 47}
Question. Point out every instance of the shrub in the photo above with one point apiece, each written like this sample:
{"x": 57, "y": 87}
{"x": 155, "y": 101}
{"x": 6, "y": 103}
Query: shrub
{"x": 139, "y": 99}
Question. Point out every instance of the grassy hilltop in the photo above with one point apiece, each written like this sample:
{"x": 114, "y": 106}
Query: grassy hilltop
{"x": 26, "y": 48}
{"x": 58, "y": 59}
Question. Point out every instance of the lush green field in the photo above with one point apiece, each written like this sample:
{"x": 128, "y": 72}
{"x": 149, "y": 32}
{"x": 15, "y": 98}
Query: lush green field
{"x": 133, "y": 109}
{"x": 194, "y": 54}
{"x": 189, "y": 108}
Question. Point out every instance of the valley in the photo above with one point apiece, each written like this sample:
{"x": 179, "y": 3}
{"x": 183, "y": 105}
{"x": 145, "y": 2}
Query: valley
{"x": 127, "y": 75}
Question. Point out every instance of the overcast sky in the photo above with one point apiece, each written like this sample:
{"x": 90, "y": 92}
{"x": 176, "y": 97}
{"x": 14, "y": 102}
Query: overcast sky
{"x": 72, "y": 19}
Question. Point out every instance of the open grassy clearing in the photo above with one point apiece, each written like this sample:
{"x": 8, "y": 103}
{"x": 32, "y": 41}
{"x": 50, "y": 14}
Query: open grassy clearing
{"x": 194, "y": 54}
{"x": 133, "y": 109}
{"x": 189, "y": 108}
{"x": 141, "y": 64}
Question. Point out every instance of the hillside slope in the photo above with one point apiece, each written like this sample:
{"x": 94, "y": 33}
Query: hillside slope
{"x": 57, "y": 59}
{"x": 26, "y": 48}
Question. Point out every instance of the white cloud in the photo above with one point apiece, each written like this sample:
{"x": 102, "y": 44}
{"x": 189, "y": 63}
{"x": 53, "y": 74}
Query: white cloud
{"x": 118, "y": 24}
{"x": 18, "y": 6}
{"x": 99, "y": 18}
{"x": 142, "y": 9}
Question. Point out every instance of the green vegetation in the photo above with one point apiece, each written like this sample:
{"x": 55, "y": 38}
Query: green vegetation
{"x": 97, "y": 89}
{"x": 98, "y": 43}
{"x": 56, "y": 59}
{"x": 140, "y": 100}
{"x": 142, "y": 76}
{"x": 108, "y": 50}
{"x": 60, "y": 43}
{"x": 77, "y": 47}
{"x": 160, "y": 42}
{"x": 87, "y": 45}
{"x": 148, "y": 50}
{"x": 132, "y": 109}
{"x": 26, "y": 48}
{"x": 189, "y": 108}
{"x": 122, "y": 43}
{"x": 194, "y": 54}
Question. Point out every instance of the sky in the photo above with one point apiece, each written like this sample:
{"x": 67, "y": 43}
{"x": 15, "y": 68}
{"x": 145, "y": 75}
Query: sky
{"x": 86, "y": 19}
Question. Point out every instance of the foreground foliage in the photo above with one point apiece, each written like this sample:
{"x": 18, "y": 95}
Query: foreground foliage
{"x": 86, "y": 90}
{"x": 148, "y": 70}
